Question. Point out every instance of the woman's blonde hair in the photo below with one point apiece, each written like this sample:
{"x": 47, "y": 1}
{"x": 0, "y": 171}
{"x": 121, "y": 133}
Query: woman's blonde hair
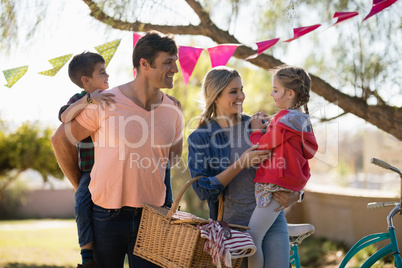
{"x": 296, "y": 79}
{"x": 213, "y": 84}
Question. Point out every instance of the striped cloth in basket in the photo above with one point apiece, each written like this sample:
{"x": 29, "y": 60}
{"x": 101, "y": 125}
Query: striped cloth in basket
{"x": 239, "y": 245}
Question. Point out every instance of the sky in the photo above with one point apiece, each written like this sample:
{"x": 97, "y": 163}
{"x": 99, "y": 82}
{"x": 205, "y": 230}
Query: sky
{"x": 37, "y": 97}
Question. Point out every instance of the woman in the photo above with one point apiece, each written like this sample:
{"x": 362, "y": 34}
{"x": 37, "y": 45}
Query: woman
{"x": 220, "y": 151}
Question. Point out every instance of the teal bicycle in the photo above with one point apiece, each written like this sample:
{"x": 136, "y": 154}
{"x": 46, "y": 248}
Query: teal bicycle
{"x": 392, "y": 247}
{"x": 299, "y": 232}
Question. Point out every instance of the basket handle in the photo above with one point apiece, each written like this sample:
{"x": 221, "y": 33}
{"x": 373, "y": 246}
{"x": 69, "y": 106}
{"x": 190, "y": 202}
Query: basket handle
{"x": 220, "y": 208}
{"x": 179, "y": 195}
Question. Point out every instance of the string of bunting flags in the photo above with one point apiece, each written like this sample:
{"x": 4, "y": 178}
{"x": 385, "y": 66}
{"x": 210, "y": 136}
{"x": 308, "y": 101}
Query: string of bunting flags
{"x": 107, "y": 51}
{"x": 188, "y": 56}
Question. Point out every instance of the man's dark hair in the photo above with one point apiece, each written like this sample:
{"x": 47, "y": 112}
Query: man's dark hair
{"x": 149, "y": 46}
{"x": 83, "y": 65}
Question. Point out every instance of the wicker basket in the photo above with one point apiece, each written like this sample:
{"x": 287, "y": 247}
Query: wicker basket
{"x": 170, "y": 238}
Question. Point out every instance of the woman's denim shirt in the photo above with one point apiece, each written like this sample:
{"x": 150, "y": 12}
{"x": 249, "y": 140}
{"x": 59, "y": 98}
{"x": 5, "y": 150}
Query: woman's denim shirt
{"x": 209, "y": 155}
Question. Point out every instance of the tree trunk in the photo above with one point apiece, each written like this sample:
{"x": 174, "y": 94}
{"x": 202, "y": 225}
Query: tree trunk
{"x": 8, "y": 180}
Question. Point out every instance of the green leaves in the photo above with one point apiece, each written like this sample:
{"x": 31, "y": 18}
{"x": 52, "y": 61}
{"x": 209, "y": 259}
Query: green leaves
{"x": 29, "y": 147}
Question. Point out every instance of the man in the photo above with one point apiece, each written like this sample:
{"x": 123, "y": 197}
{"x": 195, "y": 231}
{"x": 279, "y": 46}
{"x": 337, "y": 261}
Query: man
{"x": 134, "y": 140}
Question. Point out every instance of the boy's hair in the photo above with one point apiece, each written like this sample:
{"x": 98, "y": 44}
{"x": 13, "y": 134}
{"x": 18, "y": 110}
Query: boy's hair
{"x": 149, "y": 46}
{"x": 296, "y": 79}
{"x": 83, "y": 65}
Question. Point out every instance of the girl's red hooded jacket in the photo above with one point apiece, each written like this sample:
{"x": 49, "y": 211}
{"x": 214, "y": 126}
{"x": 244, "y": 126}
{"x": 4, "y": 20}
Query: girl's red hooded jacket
{"x": 292, "y": 141}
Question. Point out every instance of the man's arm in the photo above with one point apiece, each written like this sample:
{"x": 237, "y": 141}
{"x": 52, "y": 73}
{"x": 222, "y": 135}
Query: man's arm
{"x": 64, "y": 143}
{"x": 175, "y": 153}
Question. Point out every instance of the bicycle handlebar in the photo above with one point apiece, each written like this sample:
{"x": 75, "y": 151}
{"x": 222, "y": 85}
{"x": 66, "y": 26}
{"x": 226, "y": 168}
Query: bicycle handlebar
{"x": 375, "y": 205}
{"x": 385, "y": 165}
{"x": 380, "y": 163}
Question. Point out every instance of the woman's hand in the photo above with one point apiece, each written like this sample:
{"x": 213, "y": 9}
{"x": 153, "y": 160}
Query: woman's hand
{"x": 260, "y": 121}
{"x": 285, "y": 199}
{"x": 252, "y": 157}
{"x": 249, "y": 158}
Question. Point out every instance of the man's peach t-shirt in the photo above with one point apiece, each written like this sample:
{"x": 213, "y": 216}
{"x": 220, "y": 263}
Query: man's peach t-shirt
{"x": 131, "y": 150}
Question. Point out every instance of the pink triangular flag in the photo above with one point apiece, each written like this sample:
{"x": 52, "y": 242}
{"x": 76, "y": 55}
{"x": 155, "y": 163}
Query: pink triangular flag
{"x": 344, "y": 16}
{"x": 262, "y": 46}
{"x": 135, "y": 40}
{"x": 188, "y": 57}
{"x": 378, "y": 6}
{"x": 221, "y": 54}
{"x": 299, "y": 32}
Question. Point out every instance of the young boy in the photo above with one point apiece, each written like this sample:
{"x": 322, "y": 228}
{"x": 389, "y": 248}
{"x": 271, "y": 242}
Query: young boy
{"x": 86, "y": 70}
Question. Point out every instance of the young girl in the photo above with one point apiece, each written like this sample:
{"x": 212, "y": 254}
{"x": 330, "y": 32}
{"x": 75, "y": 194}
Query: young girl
{"x": 290, "y": 137}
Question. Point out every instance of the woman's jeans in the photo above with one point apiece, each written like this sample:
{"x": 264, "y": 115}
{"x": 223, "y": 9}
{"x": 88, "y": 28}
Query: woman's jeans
{"x": 83, "y": 210}
{"x": 115, "y": 232}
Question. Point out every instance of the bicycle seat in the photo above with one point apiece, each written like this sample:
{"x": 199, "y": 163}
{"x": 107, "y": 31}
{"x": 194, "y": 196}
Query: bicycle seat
{"x": 300, "y": 229}
{"x": 298, "y": 232}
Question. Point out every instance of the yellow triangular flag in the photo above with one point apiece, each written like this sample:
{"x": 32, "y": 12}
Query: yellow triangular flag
{"x": 57, "y": 64}
{"x": 13, "y": 75}
{"x": 107, "y": 50}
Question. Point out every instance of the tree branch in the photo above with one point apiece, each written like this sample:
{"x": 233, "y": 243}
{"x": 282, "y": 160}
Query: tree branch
{"x": 322, "y": 120}
{"x": 384, "y": 117}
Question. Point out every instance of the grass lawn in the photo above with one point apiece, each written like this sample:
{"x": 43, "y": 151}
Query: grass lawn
{"x": 54, "y": 244}
{"x": 39, "y": 243}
